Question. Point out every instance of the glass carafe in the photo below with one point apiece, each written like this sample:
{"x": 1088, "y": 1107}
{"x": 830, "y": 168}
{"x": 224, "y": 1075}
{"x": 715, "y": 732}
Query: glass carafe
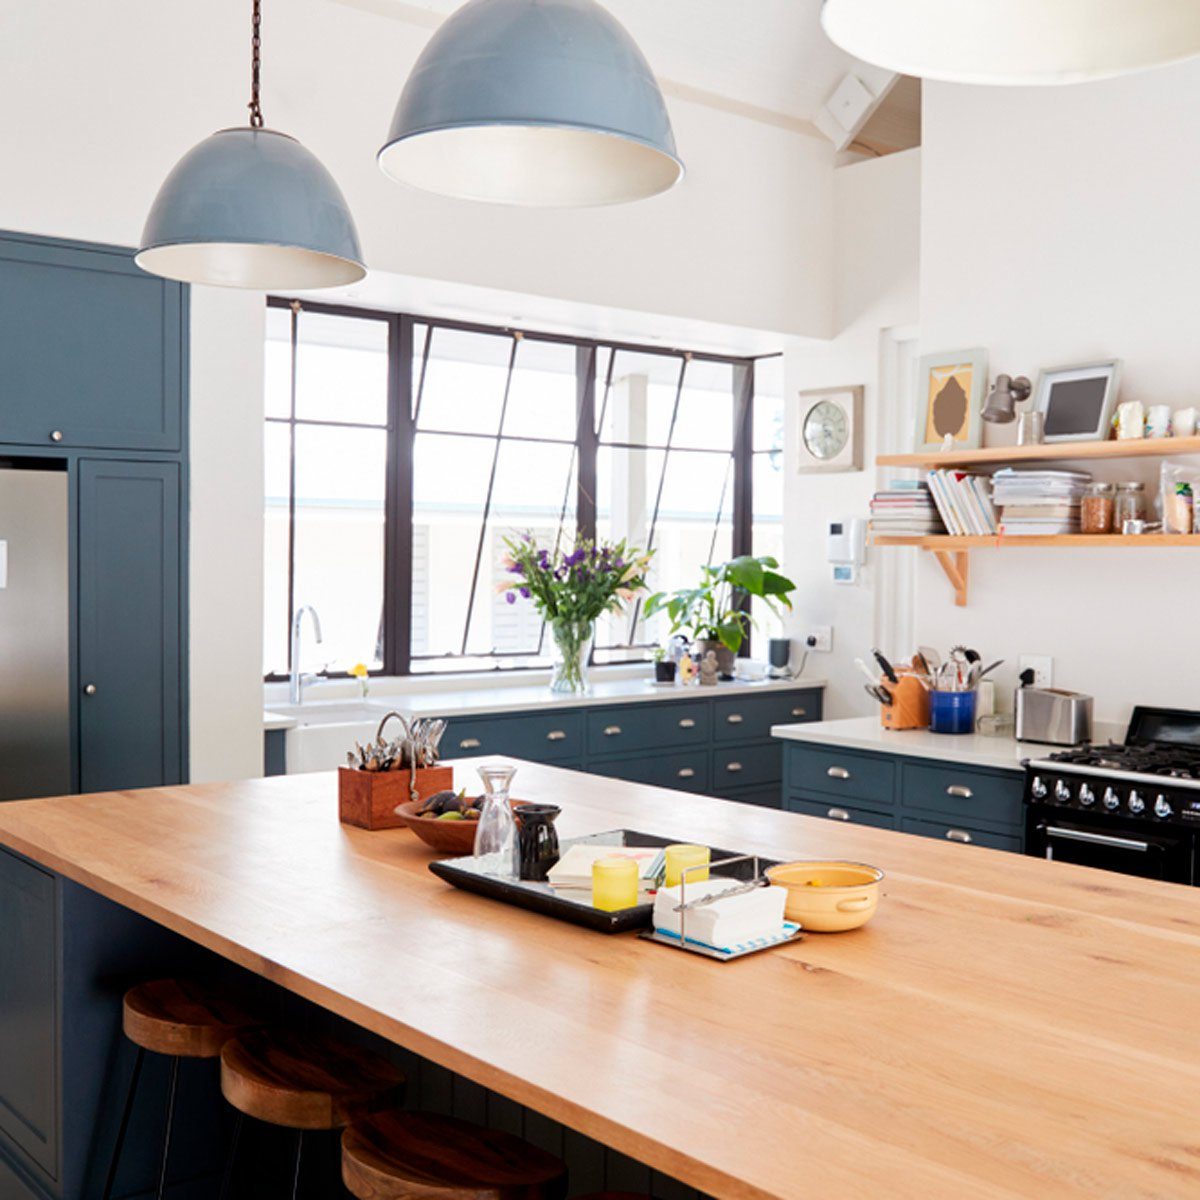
{"x": 496, "y": 837}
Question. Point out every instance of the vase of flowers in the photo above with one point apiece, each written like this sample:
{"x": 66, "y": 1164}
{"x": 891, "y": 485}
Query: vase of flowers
{"x": 571, "y": 589}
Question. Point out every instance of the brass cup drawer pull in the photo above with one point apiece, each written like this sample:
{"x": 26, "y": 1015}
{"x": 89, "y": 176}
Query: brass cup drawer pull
{"x": 838, "y": 773}
{"x": 799, "y": 712}
{"x": 962, "y": 793}
{"x": 470, "y": 744}
{"x": 735, "y": 767}
{"x": 556, "y": 735}
{"x": 838, "y": 814}
{"x": 958, "y": 835}
{"x": 612, "y": 731}
{"x": 735, "y": 718}
{"x": 687, "y": 723}
{"x": 686, "y": 773}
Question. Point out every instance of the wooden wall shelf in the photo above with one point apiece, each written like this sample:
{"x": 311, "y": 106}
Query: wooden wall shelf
{"x": 1003, "y": 456}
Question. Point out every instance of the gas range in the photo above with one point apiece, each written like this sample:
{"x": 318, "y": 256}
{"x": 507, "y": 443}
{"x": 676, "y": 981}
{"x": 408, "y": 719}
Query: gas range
{"x": 1132, "y": 807}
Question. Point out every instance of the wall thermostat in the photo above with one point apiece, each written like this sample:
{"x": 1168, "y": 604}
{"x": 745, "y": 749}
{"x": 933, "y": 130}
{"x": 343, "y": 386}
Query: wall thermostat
{"x": 846, "y": 548}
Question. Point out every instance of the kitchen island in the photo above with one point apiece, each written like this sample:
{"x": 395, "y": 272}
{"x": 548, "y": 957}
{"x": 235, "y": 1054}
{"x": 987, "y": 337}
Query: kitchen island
{"x": 1005, "y": 1027}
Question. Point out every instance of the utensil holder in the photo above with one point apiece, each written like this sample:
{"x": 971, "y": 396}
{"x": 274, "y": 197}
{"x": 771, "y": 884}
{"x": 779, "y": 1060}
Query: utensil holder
{"x": 952, "y": 712}
{"x": 368, "y": 799}
{"x": 909, "y": 708}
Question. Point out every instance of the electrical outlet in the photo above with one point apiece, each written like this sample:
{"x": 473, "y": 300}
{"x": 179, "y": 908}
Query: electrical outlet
{"x": 819, "y": 638}
{"x": 1042, "y": 666}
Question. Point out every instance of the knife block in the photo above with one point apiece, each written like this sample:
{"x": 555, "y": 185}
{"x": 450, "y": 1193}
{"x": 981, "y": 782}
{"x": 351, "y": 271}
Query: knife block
{"x": 909, "y": 708}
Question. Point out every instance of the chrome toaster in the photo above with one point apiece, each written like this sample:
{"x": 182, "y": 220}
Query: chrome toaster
{"x": 1052, "y": 716}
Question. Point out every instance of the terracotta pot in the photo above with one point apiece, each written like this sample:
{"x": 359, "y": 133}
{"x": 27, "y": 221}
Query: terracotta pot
{"x": 726, "y": 658}
{"x": 368, "y": 799}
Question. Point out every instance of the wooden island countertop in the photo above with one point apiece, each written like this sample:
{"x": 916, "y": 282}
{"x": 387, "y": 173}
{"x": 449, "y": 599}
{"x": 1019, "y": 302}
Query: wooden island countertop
{"x": 1005, "y": 1027}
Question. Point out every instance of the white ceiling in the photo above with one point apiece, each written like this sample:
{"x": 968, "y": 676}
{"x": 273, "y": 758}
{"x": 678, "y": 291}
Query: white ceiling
{"x": 770, "y": 54}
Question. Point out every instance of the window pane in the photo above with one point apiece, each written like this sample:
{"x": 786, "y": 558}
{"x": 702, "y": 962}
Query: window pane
{"x": 340, "y": 483}
{"x": 768, "y": 537}
{"x": 341, "y": 369}
{"x": 277, "y": 453}
{"x": 641, "y": 399}
{"x": 464, "y": 382}
{"x": 768, "y": 404}
{"x": 705, "y": 420}
{"x": 541, "y": 400}
{"x": 277, "y": 382}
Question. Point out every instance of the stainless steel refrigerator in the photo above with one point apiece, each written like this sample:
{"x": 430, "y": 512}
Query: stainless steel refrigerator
{"x": 35, "y": 699}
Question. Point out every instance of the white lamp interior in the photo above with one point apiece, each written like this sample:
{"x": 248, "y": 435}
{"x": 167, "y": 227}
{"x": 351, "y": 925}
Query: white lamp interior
{"x": 249, "y": 265}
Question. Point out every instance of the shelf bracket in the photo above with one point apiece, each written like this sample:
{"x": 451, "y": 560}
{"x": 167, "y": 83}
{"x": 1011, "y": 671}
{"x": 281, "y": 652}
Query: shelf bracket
{"x": 957, "y": 566}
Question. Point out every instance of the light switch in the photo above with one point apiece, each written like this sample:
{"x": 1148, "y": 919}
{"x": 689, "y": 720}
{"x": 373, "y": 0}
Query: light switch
{"x": 3, "y": 564}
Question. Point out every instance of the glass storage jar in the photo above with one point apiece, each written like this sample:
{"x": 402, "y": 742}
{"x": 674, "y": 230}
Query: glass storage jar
{"x": 1130, "y": 504}
{"x": 1097, "y": 509}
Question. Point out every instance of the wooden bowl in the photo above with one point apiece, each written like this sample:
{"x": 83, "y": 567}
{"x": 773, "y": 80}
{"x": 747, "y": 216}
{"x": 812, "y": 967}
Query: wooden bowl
{"x": 847, "y": 897}
{"x": 445, "y": 837}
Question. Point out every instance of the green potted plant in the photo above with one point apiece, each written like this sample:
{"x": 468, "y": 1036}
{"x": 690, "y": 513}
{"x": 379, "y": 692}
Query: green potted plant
{"x": 715, "y": 613}
{"x": 664, "y": 667}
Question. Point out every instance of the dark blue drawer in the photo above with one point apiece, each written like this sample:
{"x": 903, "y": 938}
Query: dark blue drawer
{"x": 746, "y": 718}
{"x": 841, "y": 773}
{"x": 962, "y": 834}
{"x": 961, "y": 793}
{"x": 770, "y": 796}
{"x": 741, "y": 766}
{"x": 686, "y": 770}
{"x": 812, "y": 806}
{"x": 647, "y": 727}
{"x": 540, "y": 737}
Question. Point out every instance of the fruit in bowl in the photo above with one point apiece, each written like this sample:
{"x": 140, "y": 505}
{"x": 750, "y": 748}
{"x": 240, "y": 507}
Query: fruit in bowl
{"x": 446, "y": 821}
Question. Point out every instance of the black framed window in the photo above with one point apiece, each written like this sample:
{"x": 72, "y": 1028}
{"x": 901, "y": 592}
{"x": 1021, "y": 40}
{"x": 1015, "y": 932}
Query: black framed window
{"x": 401, "y": 450}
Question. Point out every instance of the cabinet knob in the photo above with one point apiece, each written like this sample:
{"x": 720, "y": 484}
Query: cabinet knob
{"x": 958, "y": 835}
{"x": 687, "y": 723}
{"x": 556, "y": 735}
{"x": 838, "y": 814}
{"x": 89, "y": 689}
{"x": 612, "y": 731}
{"x": 735, "y": 718}
{"x": 838, "y": 773}
{"x": 963, "y": 793}
{"x": 686, "y": 773}
{"x": 799, "y": 712}
{"x": 56, "y": 435}
{"x": 735, "y": 767}
{"x": 469, "y": 744}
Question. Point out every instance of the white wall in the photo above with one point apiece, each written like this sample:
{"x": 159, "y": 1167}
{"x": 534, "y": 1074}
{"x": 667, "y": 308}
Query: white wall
{"x": 1059, "y": 225}
{"x": 876, "y": 236}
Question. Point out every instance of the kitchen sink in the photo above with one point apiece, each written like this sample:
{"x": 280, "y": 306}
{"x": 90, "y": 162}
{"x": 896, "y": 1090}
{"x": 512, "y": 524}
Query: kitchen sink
{"x": 332, "y": 712}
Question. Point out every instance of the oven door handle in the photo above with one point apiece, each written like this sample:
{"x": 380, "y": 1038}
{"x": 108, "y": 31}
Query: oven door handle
{"x": 1096, "y": 839}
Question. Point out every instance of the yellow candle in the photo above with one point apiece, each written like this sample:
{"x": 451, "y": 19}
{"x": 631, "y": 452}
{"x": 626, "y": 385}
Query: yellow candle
{"x": 679, "y": 858}
{"x": 614, "y": 883}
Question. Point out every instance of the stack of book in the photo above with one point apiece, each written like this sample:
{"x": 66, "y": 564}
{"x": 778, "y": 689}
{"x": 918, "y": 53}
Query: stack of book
{"x": 905, "y": 508}
{"x": 1039, "y": 503}
{"x": 964, "y": 502}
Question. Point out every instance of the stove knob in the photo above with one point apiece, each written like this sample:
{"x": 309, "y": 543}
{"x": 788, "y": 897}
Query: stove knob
{"x": 1136, "y": 803}
{"x": 1038, "y": 788}
{"x": 1062, "y": 791}
{"x": 1162, "y": 808}
{"x": 1086, "y": 796}
{"x": 1111, "y": 800}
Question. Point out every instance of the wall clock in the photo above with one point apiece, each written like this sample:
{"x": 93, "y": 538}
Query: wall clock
{"x": 830, "y": 434}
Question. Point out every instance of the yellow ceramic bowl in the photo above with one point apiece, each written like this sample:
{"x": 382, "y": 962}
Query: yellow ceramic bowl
{"x": 828, "y": 897}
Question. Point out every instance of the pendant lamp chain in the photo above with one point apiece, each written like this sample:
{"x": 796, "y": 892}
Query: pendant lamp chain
{"x": 256, "y": 116}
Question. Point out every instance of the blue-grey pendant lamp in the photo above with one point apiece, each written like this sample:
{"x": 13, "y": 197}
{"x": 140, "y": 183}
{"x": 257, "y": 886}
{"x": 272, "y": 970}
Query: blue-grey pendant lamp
{"x": 251, "y": 208}
{"x": 533, "y": 102}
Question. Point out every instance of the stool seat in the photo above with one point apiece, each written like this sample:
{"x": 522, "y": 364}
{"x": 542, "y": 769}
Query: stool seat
{"x": 396, "y": 1155}
{"x": 305, "y": 1081}
{"x": 182, "y": 1018}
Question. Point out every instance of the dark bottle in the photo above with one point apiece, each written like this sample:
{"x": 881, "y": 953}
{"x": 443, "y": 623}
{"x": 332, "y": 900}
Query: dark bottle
{"x": 538, "y": 840}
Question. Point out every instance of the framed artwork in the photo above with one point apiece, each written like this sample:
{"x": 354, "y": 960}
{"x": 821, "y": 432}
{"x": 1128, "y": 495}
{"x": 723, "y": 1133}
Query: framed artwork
{"x": 830, "y": 434}
{"x": 1078, "y": 402}
{"x": 950, "y": 391}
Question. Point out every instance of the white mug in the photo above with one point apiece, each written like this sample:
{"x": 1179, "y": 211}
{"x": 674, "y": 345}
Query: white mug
{"x": 1158, "y": 421}
{"x": 1183, "y": 422}
{"x": 1131, "y": 420}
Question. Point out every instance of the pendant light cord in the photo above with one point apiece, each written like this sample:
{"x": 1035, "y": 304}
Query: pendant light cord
{"x": 256, "y": 116}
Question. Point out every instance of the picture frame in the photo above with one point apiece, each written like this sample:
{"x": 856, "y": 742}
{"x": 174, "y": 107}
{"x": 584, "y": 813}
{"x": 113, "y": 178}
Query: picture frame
{"x": 829, "y": 430}
{"x": 950, "y": 391}
{"x": 1077, "y": 403}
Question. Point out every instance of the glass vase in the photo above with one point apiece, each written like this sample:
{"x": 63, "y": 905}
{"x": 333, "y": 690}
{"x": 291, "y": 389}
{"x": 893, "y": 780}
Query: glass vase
{"x": 496, "y": 838}
{"x": 572, "y": 648}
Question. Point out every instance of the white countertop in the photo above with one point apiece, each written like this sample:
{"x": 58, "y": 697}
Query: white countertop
{"x": 973, "y": 749}
{"x": 468, "y": 701}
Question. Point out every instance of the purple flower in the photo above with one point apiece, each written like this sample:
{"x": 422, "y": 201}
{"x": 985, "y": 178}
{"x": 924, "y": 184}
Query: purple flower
{"x": 510, "y": 597}
{"x": 524, "y": 593}
{"x": 516, "y": 569}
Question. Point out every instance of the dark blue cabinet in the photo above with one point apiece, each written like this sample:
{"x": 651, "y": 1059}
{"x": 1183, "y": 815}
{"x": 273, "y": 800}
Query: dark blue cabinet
{"x": 130, "y": 668}
{"x": 93, "y": 349}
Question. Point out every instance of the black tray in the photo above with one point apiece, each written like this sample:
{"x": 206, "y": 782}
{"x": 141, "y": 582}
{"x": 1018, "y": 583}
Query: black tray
{"x": 542, "y": 898}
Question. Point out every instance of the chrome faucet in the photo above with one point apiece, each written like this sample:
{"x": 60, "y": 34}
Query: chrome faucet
{"x": 297, "y": 678}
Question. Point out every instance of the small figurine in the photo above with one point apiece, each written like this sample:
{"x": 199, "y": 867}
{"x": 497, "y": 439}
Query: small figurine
{"x": 709, "y": 671}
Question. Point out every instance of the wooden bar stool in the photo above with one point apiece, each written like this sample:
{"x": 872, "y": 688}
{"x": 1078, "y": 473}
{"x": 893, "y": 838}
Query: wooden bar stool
{"x": 304, "y": 1082}
{"x": 397, "y": 1155}
{"x": 180, "y": 1019}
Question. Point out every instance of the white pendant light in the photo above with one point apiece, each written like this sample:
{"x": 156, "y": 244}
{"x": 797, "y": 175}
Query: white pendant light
{"x": 251, "y": 208}
{"x": 533, "y": 102}
{"x": 1015, "y": 41}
